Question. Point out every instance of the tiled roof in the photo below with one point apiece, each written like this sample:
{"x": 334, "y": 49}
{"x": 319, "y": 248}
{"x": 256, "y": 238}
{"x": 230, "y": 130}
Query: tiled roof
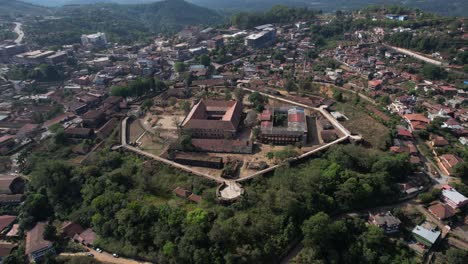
{"x": 441, "y": 210}
{"x": 6, "y": 220}
{"x": 35, "y": 240}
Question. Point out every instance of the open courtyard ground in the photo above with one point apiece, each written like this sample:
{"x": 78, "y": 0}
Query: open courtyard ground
{"x": 376, "y": 135}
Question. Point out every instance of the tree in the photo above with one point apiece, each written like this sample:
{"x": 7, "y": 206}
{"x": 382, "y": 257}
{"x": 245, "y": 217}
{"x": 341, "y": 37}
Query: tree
{"x": 316, "y": 230}
{"x": 258, "y": 101}
{"x": 456, "y": 256}
{"x": 186, "y": 142}
{"x": 147, "y": 104}
{"x": 290, "y": 86}
{"x": 50, "y": 232}
{"x": 338, "y": 96}
{"x": 61, "y": 186}
{"x": 239, "y": 94}
{"x": 185, "y": 106}
{"x": 179, "y": 67}
{"x": 123, "y": 91}
{"x": 385, "y": 100}
{"x": 461, "y": 170}
{"x": 160, "y": 85}
{"x": 433, "y": 72}
{"x": 227, "y": 94}
{"x": 36, "y": 208}
{"x": 205, "y": 60}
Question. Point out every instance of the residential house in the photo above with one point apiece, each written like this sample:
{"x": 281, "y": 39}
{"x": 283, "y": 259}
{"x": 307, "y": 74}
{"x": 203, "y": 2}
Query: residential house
{"x": 36, "y": 245}
{"x": 452, "y": 124}
{"x": 79, "y": 133}
{"x": 441, "y": 211}
{"x": 11, "y": 185}
{"x": 416, "y": 121}
{"x": 447, "y": 163}
{"x": 438, "y": 141}
{"x": 386, "y": 221}
{"x": 87, "y": 237}
{"x": 6, "y": 221}
{"x": 453, "y": 198}
{"x": 5, "y": 249}
{"x": 7, "y": 142}
{"x": 375, "y": 84}
{"x": 70, "y": 229}
{"x": 426, "y": 234}
{"x": 181, "y": 192}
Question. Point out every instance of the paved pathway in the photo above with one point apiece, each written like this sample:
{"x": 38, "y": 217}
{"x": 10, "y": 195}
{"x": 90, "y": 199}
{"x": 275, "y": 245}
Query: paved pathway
{"x": 416, "y": 55}
{"x": 231, "y": 184}
{"x": 19, "y": 30}
{"x": 105, "y": 257}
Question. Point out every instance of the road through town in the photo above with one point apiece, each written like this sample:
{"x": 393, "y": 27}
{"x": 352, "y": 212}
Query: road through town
{"x": 19, "y": 31}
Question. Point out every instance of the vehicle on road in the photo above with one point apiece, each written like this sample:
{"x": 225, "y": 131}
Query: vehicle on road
{"x": 89, "y": 254}
{"x": 115, "y": 255}
{"x": 99, "y": 250}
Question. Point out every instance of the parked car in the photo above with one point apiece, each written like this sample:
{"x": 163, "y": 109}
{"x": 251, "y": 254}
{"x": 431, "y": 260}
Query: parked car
{"x": 99, "y": 250}
{"x": 115, "y": 255}
{"x": 89, "y": 254}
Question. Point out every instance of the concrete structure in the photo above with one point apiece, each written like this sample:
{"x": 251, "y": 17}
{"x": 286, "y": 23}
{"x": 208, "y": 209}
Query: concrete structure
{"x": 386, "y": 221}
{"x": 265, "y": 37}
{"x": 397, "y": 17}
{"x": 283, "y": 126}
{"x": 36, "y": 245}
{"x": 426, "y": 234}
{"x": 213, "y": 119}
{"x": 6, "y": 52}
{"x": 447, "y": 163}
{"x": 33, "y": 57}
{"x": 97, "y": 40}
{"x": 453, "y": 198}
{"x": 56, "y": 58}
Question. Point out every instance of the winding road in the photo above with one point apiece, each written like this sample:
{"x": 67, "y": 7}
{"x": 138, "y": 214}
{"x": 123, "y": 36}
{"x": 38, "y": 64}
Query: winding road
{"x": 19, "y": 31}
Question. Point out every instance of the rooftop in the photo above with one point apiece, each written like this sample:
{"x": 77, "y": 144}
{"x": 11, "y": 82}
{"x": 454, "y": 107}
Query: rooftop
{"x": 427, "y": 234}
{"x": 208, "y": 114}
{"x": 454, "y": 196}
{"x": 35, "y": 240}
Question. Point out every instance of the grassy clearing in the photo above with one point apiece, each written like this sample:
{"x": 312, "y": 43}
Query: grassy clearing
{"x": 375, "y": 134}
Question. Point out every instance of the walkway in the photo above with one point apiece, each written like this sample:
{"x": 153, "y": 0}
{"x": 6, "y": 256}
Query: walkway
{"x": 233, "y": 189}
{"x": 19, "y": 31}
{"x": 416, "y": 55}
{"x": 105, "y": 257}
{"x": 163, "y": 160}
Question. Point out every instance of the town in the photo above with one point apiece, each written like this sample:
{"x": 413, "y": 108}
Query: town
{"x": 222, "y": 109}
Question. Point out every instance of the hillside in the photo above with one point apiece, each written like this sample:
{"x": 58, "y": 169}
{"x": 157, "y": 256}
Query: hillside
{"x": 443, "y": 7}
{"x": 158, "y": 17}
{"x": 82, "y": 2}
{"x": 122, "y": 23}
{"x": 14, "y": 9}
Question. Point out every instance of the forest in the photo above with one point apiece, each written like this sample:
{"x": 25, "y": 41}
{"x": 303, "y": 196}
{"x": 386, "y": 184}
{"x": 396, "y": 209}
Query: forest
{"x": 123, "y": 24}
{"x": 130, "y": 204}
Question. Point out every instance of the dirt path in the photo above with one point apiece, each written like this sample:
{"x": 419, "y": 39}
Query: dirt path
{"x": 19, "y": 31}
{"x": 105, "y": 257}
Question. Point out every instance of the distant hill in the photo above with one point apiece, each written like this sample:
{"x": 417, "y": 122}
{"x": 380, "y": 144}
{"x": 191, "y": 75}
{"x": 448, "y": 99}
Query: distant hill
{"x": 85, "y": 2}
{"x": 14, "y": 8}
{"x": 163, "y": 16}
{"x": 443, "y": 7}
{"x": 122, "y": 23}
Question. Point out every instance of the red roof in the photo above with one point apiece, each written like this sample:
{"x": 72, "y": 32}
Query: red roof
{"x": 6, "y": 220}
{"x": 195, "y": 198}
{"x": 417, "y": 117}
{"x": 35, "y": 240}
{"x": 375, "y": 83}
{"x": 441, "y": 211}
{"x": 404, "y": 133}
